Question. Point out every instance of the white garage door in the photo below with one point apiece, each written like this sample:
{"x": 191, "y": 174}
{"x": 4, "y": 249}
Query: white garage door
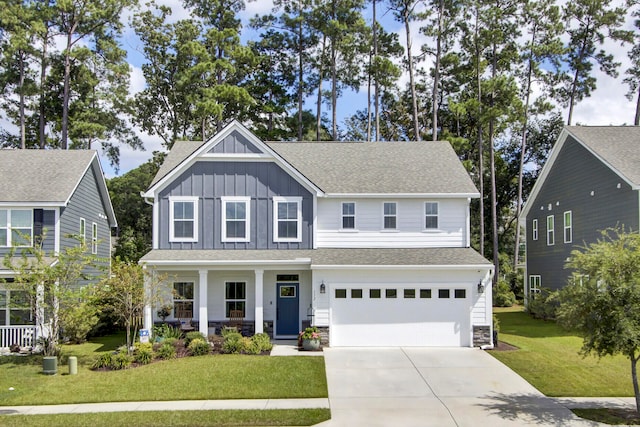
{"x": 397, "y": 315}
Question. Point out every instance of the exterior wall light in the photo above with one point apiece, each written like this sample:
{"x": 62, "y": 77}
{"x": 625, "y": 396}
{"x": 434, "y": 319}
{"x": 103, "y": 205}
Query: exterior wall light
{"x": 480, "y": 287}
{"x": 323, "y": 288}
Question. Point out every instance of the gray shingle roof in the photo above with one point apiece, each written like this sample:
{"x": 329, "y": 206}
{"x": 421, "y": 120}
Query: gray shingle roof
{"x": 41, "y": 175}
{"x": 328, "y": 256}
{"x": 380, "y": 167}
{"x": 619, "y": 146}
{"x": 179, "y": 152}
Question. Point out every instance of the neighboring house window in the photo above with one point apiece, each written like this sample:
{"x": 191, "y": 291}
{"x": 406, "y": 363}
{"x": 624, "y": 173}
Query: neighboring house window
{"x": 235, "y": 219}
{"x": 83, "y": 231}
{"x": 94, "y": 238}
{"x": 534, "y": 229}
{"x": 182, "y": 300}
{"x": 534, "y": 285}
{"x": 431, "y": 215}
{"x": 287, "y": 219}
{"x": 568, "y": 227}
{"x": 235, "y": 297}
{"x": 16, "y": 227}
{"x": 390, "y": 215}
{"x": 15, "y": 308}
{"x": 183, "y": 219}
{"x": 550, "y": 231}
{"x": 348, "y": 215}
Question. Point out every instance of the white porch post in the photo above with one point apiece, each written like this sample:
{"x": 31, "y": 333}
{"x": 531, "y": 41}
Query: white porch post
{"x": 259, "y": 317}
{"x": 203, "y": 313}
{"x": 40, "y": 320}
{"x": 147, "y": 317}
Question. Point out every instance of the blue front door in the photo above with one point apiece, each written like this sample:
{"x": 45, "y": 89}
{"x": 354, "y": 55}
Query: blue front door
{"x": 287, "y": 321}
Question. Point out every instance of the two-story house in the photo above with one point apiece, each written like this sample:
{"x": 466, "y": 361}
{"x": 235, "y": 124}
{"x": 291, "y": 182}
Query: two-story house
{"x": 368, "y": 241}
{"x": 590, "y": 182}
{"x": 47, "y": 196}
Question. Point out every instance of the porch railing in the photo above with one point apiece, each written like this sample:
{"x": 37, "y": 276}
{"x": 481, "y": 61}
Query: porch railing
{"x": 24, "y": 336}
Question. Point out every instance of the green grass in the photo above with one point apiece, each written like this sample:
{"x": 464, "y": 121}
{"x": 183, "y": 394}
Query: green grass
{"x": 609, "y": 416}
{"x": 276, "y": 417}
{"x": 198, "y": 378}
{"x": 548, "y": 358}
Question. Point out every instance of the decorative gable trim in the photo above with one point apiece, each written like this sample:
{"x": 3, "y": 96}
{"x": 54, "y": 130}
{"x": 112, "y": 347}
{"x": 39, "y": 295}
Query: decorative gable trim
{"x": 207, "y": 152}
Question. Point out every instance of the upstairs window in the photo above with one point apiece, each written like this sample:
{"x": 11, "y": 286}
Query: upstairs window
{"x": 534, "y": 229}
{"x": 431, "y": 215}
{"x": 83, "y": 231}
{"x": 568, "y": 227}
{"x": 94, "y": 238}
{"x": 348, "y": 215}
{"x": 550, "y": 231}
{"x": 183, "y": 219}
{"x": 16, "y": 227}
{"x": 287, "y": 219}
{"x": 390, "y": 215}
{"x": 235, "y": 219}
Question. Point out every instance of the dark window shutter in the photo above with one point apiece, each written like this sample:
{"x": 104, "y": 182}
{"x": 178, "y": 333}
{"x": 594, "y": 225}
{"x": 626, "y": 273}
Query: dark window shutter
{"x": 38, "y": 220}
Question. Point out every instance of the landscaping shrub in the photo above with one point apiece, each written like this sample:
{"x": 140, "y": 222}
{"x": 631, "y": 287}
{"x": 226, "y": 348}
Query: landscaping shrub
{"x": 544, "y": 304}
{"x": 143, "y": 353}
{"x": 165, "y": 331}
{"x": 262, "y": 341}
{"x": 121, "y": 360}
{"x": 232, "y": 343}
{"x": 102, "y": 361}
{"x": 503, "y": 296}
{"x": 228, "y": 330}
{"x": 166, "y": 351}
{"x": 199, "y": 347}
{"x": 77, "y": 321}
{"x": 192, "y": 336}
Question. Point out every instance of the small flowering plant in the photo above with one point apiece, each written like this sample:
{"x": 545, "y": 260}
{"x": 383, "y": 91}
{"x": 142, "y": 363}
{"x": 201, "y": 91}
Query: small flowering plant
{"x": 310, "y": 334}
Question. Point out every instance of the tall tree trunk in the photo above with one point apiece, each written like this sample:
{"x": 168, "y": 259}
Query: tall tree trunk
{"x": 43, "y": 77}
{"x": 334, "y": 93}
{"x": 636, "y": 121}
{"x": 412, "y": 84}
{"x": 66, "y": 92}
{"x": 319, "y": 103}
{"x": 23, "y": 131}
{"x": 492, "y": 160}
{"x": 480, "y": 145}
{"x": 369, "y": 97}
{"x": 576, "y": 76}
{"x": 300, "y": 77}
{"x": 376, "y": 104}
{"x": 436, "y": 77}
{"x": 634, "y": 378}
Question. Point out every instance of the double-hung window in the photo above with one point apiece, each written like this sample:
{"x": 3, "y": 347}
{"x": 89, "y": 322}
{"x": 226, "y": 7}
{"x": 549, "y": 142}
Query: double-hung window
{"x": 235, "y": 219}
{"x": 182, "y": 300}
{"x": 431, "y": 215}
{"x": 235, "y": 297}
{"x": 348, "y": 215}
{"x": 94, "y": 238}
{"x": 550, "y": 231}
{"x": 15, "y": 308}
{"x": 534, "y": 285}
{"x": 183, "y": 219}
{"x": 534, "y": 229}
{"x": 568, "y": 227}
{"x": 16, "y": 227}
{"x": 83, "y": 231}
{"x": 390, "y": 216}
{"x": 287, "y": 218}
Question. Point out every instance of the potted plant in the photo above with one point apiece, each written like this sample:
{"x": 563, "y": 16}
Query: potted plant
{"x": 164, "y": 312}
{"x": 310, "y": 338}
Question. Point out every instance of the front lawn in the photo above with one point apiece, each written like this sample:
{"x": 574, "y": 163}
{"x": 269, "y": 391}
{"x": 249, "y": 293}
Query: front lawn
{"x": 197, "y": 378}
{"x": 548, "y": 358}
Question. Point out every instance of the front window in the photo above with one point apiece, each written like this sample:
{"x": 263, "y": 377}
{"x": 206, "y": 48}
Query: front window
{"x": 534, "y": 285}
{"x": 183, "y": 218}
{"x": 235, "y": 219}
{"x": 15, "y": 308}
{"x": 287, "y": 219}
{"x": 550, "y": 231}
{"x": 16, "y": 227}
{"x": 568, "y": 227}
{"x": 183, "y": 300}
{"x": 348, "y": 215}
{"x": 94, "y": 238}
{"x": 431, "y": 215}
{"x": 390, "y": 215}
{"x": 235, "y": 297}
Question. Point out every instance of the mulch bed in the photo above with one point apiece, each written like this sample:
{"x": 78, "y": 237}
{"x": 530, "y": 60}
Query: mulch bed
{"x": 503, "y": 346}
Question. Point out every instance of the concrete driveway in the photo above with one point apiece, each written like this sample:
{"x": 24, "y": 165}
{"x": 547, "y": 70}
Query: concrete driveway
{"x": 433, "y": 387}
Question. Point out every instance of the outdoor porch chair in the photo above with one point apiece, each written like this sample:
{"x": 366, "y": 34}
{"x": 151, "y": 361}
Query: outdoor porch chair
{"x": 236, "y": 319}
{"x": 184, "y": 317}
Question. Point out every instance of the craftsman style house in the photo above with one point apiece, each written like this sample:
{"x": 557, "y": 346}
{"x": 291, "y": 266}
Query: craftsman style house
{"x": 590, "y": 182}
{"x": 47, "y": 196}
{"x": 367, "y": 241}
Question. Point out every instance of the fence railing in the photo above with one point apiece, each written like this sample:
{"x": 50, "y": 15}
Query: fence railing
{"x": 24, "y": 336}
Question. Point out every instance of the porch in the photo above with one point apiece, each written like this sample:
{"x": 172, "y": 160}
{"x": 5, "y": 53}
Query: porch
{"x": 22, "y": 335}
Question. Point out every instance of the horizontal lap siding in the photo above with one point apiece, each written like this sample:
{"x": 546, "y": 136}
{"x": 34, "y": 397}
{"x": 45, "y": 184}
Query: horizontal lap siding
{"x": 369, "y": 232}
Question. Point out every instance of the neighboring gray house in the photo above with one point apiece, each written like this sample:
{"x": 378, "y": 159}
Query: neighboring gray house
{"x": 368, "y": 241}
{"x": 590, "y": 182}
{"x": 45, "y": 197}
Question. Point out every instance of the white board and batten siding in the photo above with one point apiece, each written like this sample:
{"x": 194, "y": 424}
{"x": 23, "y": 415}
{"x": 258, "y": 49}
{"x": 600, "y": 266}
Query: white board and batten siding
{"x": 410, "y": 232}
{"x": 401, "y": 321}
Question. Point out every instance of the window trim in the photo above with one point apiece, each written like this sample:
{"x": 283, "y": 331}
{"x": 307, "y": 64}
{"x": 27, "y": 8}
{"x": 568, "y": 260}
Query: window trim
{"x": 247, "y": 219}
{"x": 437, "y": 216}
{"x": 534, "y": 229}
{"x": 551, "y": 230}
{"x": 10, "y": 228}
{"x": 534, "y": 289}
{"x": 276, "y": 220}
{"x": 227, "y": 310}
{"x": 83, "y": 231}
{"x": 182, "y": 199}
{"x": 94, "y": 238}
{"x": 569, "y": 227}
{"x": 343, "y": 216}
{"x": 385, "y": 216}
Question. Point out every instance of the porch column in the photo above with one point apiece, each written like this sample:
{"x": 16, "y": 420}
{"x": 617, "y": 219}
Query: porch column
{"x": 40, "y": 320}
{"x": 147, "y": 321}
{"x": 203, "y": 313}
{"x": 259, "y": 317}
